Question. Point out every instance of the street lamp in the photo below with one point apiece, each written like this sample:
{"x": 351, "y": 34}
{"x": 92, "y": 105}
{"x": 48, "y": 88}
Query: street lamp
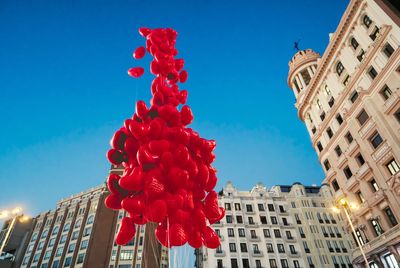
{"x": 346, "y": 207}
{"x": 15, "y": 214}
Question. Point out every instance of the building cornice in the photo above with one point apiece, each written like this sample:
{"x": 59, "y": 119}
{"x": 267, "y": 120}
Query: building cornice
{"x": 329, "y": 53}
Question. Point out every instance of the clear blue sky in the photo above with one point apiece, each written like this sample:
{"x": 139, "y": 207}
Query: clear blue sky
{"x": 64, "y": 88}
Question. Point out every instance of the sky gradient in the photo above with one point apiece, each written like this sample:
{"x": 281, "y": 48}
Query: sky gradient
{"x": 64, "y": 88}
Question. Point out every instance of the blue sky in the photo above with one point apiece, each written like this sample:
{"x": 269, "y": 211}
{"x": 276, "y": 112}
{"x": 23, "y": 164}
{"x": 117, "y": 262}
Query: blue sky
{"x": 64, "y": 88}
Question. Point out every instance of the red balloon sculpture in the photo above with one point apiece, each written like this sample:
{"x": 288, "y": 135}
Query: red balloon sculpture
{"x": 168, "y": 178}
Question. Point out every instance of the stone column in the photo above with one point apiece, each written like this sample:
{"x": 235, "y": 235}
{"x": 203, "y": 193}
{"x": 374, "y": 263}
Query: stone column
{"x": 302, "y": 81}
{"x": 298, "y": 83}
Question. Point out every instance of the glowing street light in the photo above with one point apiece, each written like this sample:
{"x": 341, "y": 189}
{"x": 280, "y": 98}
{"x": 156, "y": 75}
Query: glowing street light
{"x": 15, "y": 214}
{"x": 346, "y": 207}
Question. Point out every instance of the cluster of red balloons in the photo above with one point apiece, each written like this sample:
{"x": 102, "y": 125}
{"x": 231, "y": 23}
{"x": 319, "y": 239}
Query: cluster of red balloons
{"x": 168, "y": 178}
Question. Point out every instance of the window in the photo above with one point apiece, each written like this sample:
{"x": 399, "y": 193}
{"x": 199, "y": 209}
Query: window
{"x": 44, "y": 234}
{"x": 47, "y": 255}
{"x": 349, "y": 137}
{"x": 75, "y": 235}
{"x": 362, "y": 117}
{"x": 390, "y": 216}
{"x": 256, "y": 249}
{"x": 266, "y": 233}
{"x": 67, "y": 262}
{"x": 374, "y": 185}
{"x": 360, "y": 197}
{"x": 322, "y": 116}
{"x": 55, "y": 264}
{"x": 87, "y": 231}
{"x": 63, "y": 239}
{"x": 339, "y": 119}
{"x": 289, "y": 235}
{"x": 347, "y": 172}
{"x": 228, "y": 218}
{"x": 241, "y": 232}
{"x": 126, "y": 255}
{"x": 354, "y": 96}
{"x": 284, "y": 263}
{"x": 272, "y": 263}
{"x": 261, "y": 207}
{"x": 55, "y": 230}
{"x": 71, "y": 248}
{"x": 277, "y": 233}
{"x": 90, "y": 219}
{"x": 335, "y": 185}
{"x": 245, "y": 263}
{"x": 237, "y": 206}
{"x": 377, "y": 227}
{"x": 372, "y": 73}
{"x": 314, "y": 129}
{"x": 339, "y": 68}
{"x": 239, "y": 219}
{"x": 231, "y": 232}
{"x": 397, "y": 115}
{"x": 360, "y": 159}
{"x": 263, "y": 219}
{"x": 232, "y": 247}
{"x": 51, "y": 242}
{"x": 329, "y": 132}
{"x": 388, "y": 50}
{"x": 354, "y": 43}
{"x": 375, "y": 140}
{"x": 367, "y": 21}
{"x": 292, "y": 249}
{"x": 281, "y": 248}
{"x": 249, "y": 208}
{"x": 34, "y": 237}
{"x": 234, "y": 263}
{"x": 40, "y": 245}
{"x": 270, "y": 248}
{"x": 393, "y": 166}
{"x": 327, "y": 165}
{"x": 306, "y": 76}
{"x": 81, "y": 257}
{"x": 258, "y": 264}
{"x": 59, "y": 251}
{"x": 84, "y": 244}
{"x": 274, "y": 220}
{"x": 327, "y": 90}
{"x": 271, "y": 207}
{"x": 374, "y": 33}
{"x": 319, "y": 104}
{"x": 331, "y": 101}
{"x": 361, "y": 55}
{"x": 66, "y": 227}
{"x": 227, "y": 206}
{"x": 386, "y": 92}
{"x": 319, "y": 146}
{"x": 251, "y": 221}
{"x": 78, "y": 223}
{"x": 296, "y": 264}
{"x": 338, "y": 151}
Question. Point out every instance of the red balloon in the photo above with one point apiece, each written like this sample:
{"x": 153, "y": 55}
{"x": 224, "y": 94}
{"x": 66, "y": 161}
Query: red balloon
{"x": 133, "y": 181}
{"x": 178, "y": 235}
{"x": 156, "y": 211}
{"x": 113, "y": 201}
{"x": 186, "y": 115}
{"x": 138, "y": 218}
{"x": 179, "y": 64}
{"x": 115, "y": 156}
{"x": 162, "y": 235}
{"x": 126, "y": 231}
{"x": 183, "y": 76}
{"x": 195, "y": 240}
{"x": 118, "y": 140}
{"x": 144, "y": 31}
{"x": 141, "y": 109}
{"x": 112, "y": 183}
{"x": 139, "y": 53}
{"x": 136, "y": 72}
{"x": 211, "y": 239}
{"x": 134, "y": 205}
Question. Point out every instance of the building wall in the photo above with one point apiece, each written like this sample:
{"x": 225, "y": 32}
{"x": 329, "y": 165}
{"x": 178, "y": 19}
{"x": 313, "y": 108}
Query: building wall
{"x": 347, "y": 96}
{"x": 280, "y": 237}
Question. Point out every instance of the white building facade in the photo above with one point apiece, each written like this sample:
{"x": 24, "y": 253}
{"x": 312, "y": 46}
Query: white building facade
{"x": 286, "y": 226}
{"x": 349, "y": 100}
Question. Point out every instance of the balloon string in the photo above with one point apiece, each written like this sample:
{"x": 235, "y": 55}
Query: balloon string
{"x": 169, "y": 245}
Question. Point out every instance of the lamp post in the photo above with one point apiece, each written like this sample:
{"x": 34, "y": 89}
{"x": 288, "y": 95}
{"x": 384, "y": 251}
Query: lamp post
{"x": 346, "y": 207}
{"x": 15, "y": 213}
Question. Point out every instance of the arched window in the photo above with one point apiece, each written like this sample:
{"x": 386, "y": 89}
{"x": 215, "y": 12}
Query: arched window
{"x": 90, "y": 219}
{"x": 66, "y": 227}
{"x": 354, "y": 43}
{"x": 44, "y": 234}
{"x": 327, "y": 90}
{"x": 339, "y": 68}
{"x": 367, "y": 21}
{"x": 55, "y": 230}
{"x": 319, "y": 104}
{"x": 78, "y": 223}
{"x": 309, "y": 117}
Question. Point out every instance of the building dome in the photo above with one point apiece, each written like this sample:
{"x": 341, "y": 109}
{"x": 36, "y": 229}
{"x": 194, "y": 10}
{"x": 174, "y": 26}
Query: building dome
{"x": 302, "y": 68}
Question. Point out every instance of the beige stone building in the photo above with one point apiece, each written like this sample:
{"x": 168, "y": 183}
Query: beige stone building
{"x": 285, "y": 226}
{"x": 349, "y": 100}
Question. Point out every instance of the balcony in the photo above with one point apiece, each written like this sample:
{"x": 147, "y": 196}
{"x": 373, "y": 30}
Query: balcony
{"x": 254, "y": 238}
{"x": 364, "y": 170}
{"x": 366, "y": 128}
{"x": 381, "y": 151}
{"x": 257, "y": 253}
{"x": 391, "y": 102}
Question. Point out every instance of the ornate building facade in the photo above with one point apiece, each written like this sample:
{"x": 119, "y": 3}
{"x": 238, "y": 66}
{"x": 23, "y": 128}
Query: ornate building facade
{"x": 285, "y": 226}
{"x": 349, "y": 100}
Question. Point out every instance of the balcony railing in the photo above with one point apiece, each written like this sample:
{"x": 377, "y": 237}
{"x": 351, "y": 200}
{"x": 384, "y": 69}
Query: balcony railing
{"x": 381, "y": 151}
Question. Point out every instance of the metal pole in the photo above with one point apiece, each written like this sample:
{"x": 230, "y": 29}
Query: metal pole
{"x": 355, "y": 235}
{"x": 7, "y": 234}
